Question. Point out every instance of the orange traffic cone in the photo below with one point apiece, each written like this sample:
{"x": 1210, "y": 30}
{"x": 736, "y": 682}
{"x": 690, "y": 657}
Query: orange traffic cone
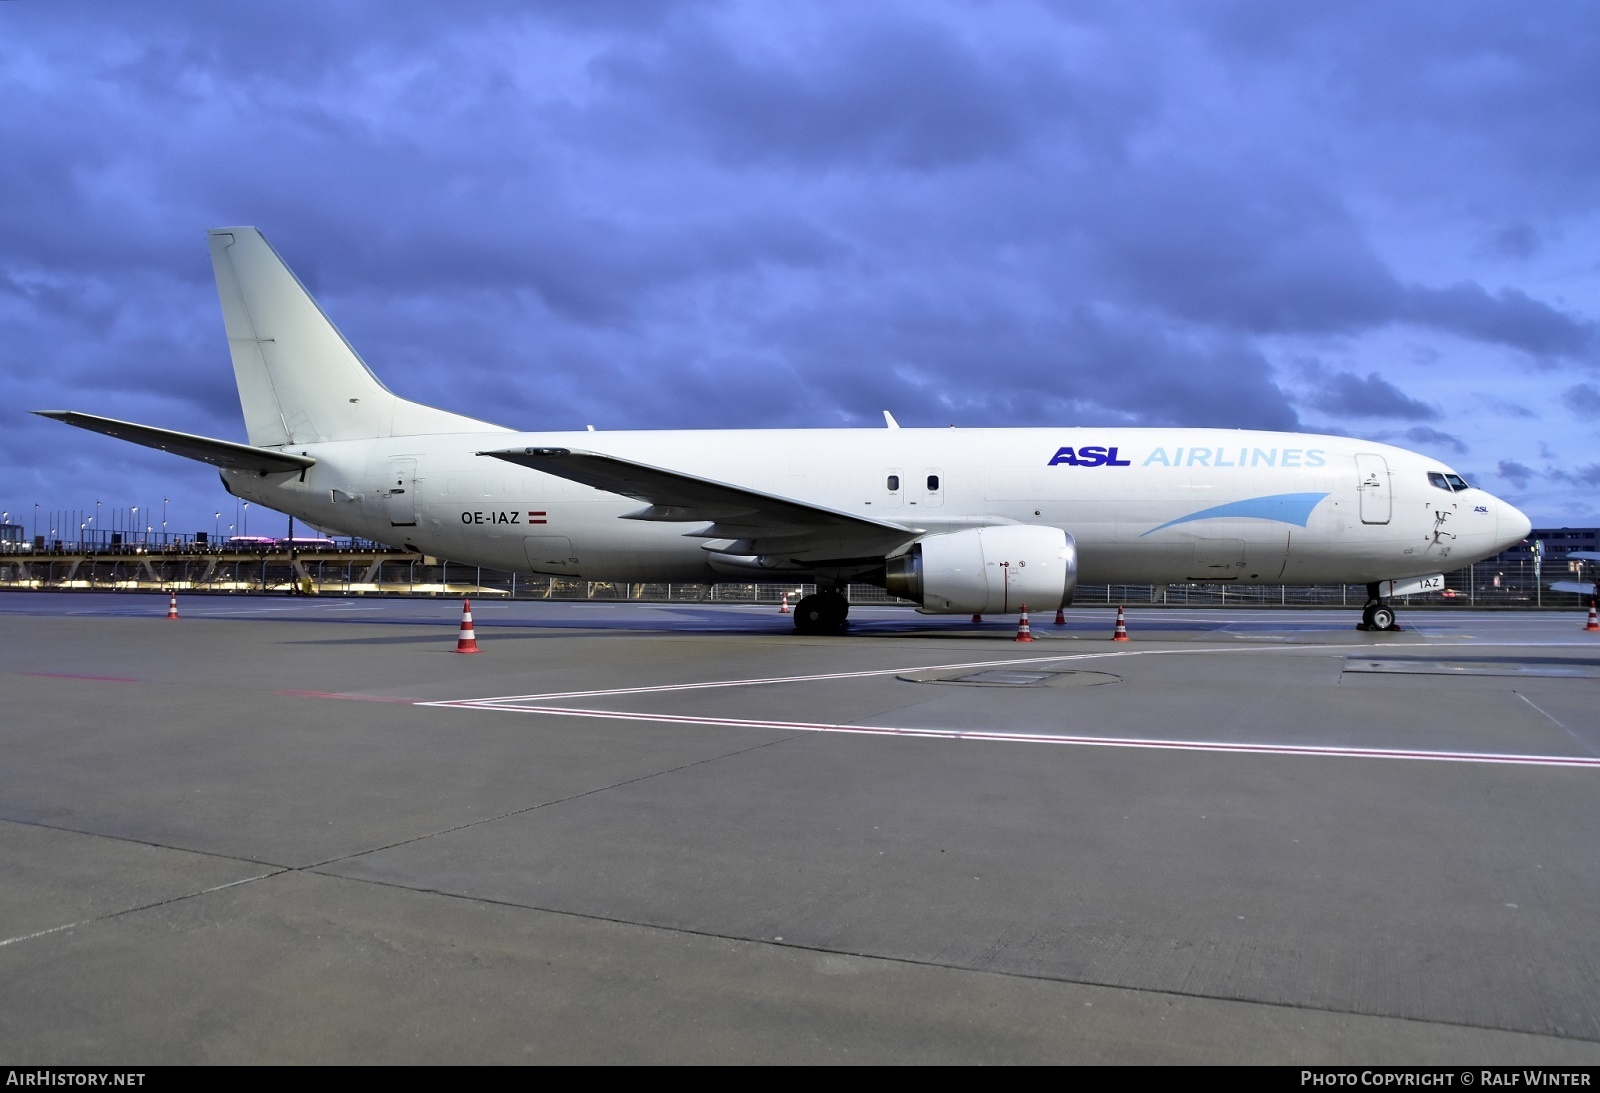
{"x": 1023, "y": 633}
{"x": 172, "y": 605}
{"x": 1122, "y": 626}
{"x": 1594, "y": 623}
{"x": 976, "y": 619}
{"x": 468, "y": 641}
{"x": 1061, "y": 616}
{"x": 784, "y": 610}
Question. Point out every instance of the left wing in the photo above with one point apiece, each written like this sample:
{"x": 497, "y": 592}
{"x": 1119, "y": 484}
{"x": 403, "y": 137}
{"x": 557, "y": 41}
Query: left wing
{"x": 755, "y": 522}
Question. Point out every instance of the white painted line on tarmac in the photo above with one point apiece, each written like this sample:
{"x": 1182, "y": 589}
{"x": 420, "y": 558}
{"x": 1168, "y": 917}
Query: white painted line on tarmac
{"x": 528, "y": 704}
{"x": 870, "y": 673}
{"x": 1224, "y": 747}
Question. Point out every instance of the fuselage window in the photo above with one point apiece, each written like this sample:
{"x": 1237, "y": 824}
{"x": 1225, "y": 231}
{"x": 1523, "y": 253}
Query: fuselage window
{"x": 894, "y": 482}
{"x": 933, "y": 483}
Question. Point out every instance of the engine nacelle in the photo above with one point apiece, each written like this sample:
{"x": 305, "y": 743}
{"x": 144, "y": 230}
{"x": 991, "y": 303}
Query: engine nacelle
{"x": 993, "y": 570}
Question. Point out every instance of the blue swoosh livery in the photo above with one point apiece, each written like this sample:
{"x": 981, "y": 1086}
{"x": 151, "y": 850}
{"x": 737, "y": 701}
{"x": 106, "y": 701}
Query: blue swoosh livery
{"x": 1284, "y": 508}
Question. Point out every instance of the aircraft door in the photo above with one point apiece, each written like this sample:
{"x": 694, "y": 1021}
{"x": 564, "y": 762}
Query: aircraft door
{"x": 1217, "y": 560}
{"x": 402, "y": 492}
{"x": 551, "y": 554}
{"x": 1373, "y": 487}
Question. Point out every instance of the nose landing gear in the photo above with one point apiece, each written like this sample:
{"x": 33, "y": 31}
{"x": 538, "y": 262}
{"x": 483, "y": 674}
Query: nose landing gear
{"x": 1377, "y": 615}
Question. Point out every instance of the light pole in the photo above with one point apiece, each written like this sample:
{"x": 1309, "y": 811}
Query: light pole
{"x": 244, "y": 525}
{"x": 163, "y": 521}
{"x": 133, "y": 522}
{"x": 216, "y": 522}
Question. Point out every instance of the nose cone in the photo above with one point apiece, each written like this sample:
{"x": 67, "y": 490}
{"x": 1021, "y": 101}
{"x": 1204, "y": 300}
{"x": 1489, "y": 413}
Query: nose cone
{"x": 1512, "y": 526}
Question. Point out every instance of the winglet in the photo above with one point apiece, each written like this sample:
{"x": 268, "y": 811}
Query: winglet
{"x": 888, "y": 419}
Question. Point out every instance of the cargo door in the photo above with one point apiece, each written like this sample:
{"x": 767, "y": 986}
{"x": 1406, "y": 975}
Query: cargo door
{"x": 551, "y": 554}
{"x": 1373, "y": 488}
{"x": 402, "y": 492}
{"x": 1217, "y": 560}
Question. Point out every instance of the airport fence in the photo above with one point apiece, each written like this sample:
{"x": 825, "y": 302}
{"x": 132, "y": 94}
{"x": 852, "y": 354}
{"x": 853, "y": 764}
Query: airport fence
{"x": 342, "y": 571}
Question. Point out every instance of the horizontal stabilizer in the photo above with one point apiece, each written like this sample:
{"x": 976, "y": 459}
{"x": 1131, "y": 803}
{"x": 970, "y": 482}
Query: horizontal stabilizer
{"x": 219, "y": 453}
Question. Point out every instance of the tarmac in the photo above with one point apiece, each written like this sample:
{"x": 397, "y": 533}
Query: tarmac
{"x": 305, "y": 830}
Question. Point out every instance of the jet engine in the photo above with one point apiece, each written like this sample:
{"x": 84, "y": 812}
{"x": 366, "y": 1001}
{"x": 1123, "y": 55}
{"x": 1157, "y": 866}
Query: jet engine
{"x": 989, "y": 570}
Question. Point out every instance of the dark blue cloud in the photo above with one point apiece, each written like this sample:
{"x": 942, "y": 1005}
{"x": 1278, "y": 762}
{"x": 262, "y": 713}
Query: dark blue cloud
{"x": 1587, "y": 475}
{"x": 899, "y": 91}
{"x": 1508, "y": 317}
{"x": 1515, "y": 241}
{"x": 1350, "y": 395}
{"x": 714, "y": 214}
{"x": 1583, "y": 400}
{"x": 1435, "y": 439}
{"x": 1515, "y": 473}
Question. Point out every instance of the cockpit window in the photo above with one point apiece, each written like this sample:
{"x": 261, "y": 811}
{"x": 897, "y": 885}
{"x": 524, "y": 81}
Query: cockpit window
{"x": 1452, "y": 482}
{"x": 1457, "y": 483}
{"x": 1437, "y": 479}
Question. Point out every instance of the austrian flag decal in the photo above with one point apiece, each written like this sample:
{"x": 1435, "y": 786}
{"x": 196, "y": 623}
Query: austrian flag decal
{"x": 537, "y": 518}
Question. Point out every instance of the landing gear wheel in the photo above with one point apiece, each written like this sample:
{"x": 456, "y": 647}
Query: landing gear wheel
{"x": 823, "y": 613}
{"x": 1377, "y": 616}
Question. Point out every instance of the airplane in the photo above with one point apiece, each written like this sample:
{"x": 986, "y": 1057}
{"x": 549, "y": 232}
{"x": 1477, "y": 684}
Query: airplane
{"x": 960, "y": 521}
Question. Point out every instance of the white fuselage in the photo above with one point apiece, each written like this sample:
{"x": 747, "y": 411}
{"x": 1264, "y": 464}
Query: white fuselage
{"x": 1144, "y": 505}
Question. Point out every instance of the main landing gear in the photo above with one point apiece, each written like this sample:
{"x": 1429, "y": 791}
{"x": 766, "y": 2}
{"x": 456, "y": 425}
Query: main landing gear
{"x": 823, "y": 613}
{"x": 1377, "y": 615}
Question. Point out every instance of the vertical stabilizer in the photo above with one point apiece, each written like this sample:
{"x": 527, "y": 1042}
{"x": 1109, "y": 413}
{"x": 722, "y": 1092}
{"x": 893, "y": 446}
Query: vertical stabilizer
{"x": 299, "y": 380}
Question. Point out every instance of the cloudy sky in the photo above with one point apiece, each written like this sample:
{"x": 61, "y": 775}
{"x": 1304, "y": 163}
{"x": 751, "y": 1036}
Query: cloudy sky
{"x": 1372, "y": 219}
